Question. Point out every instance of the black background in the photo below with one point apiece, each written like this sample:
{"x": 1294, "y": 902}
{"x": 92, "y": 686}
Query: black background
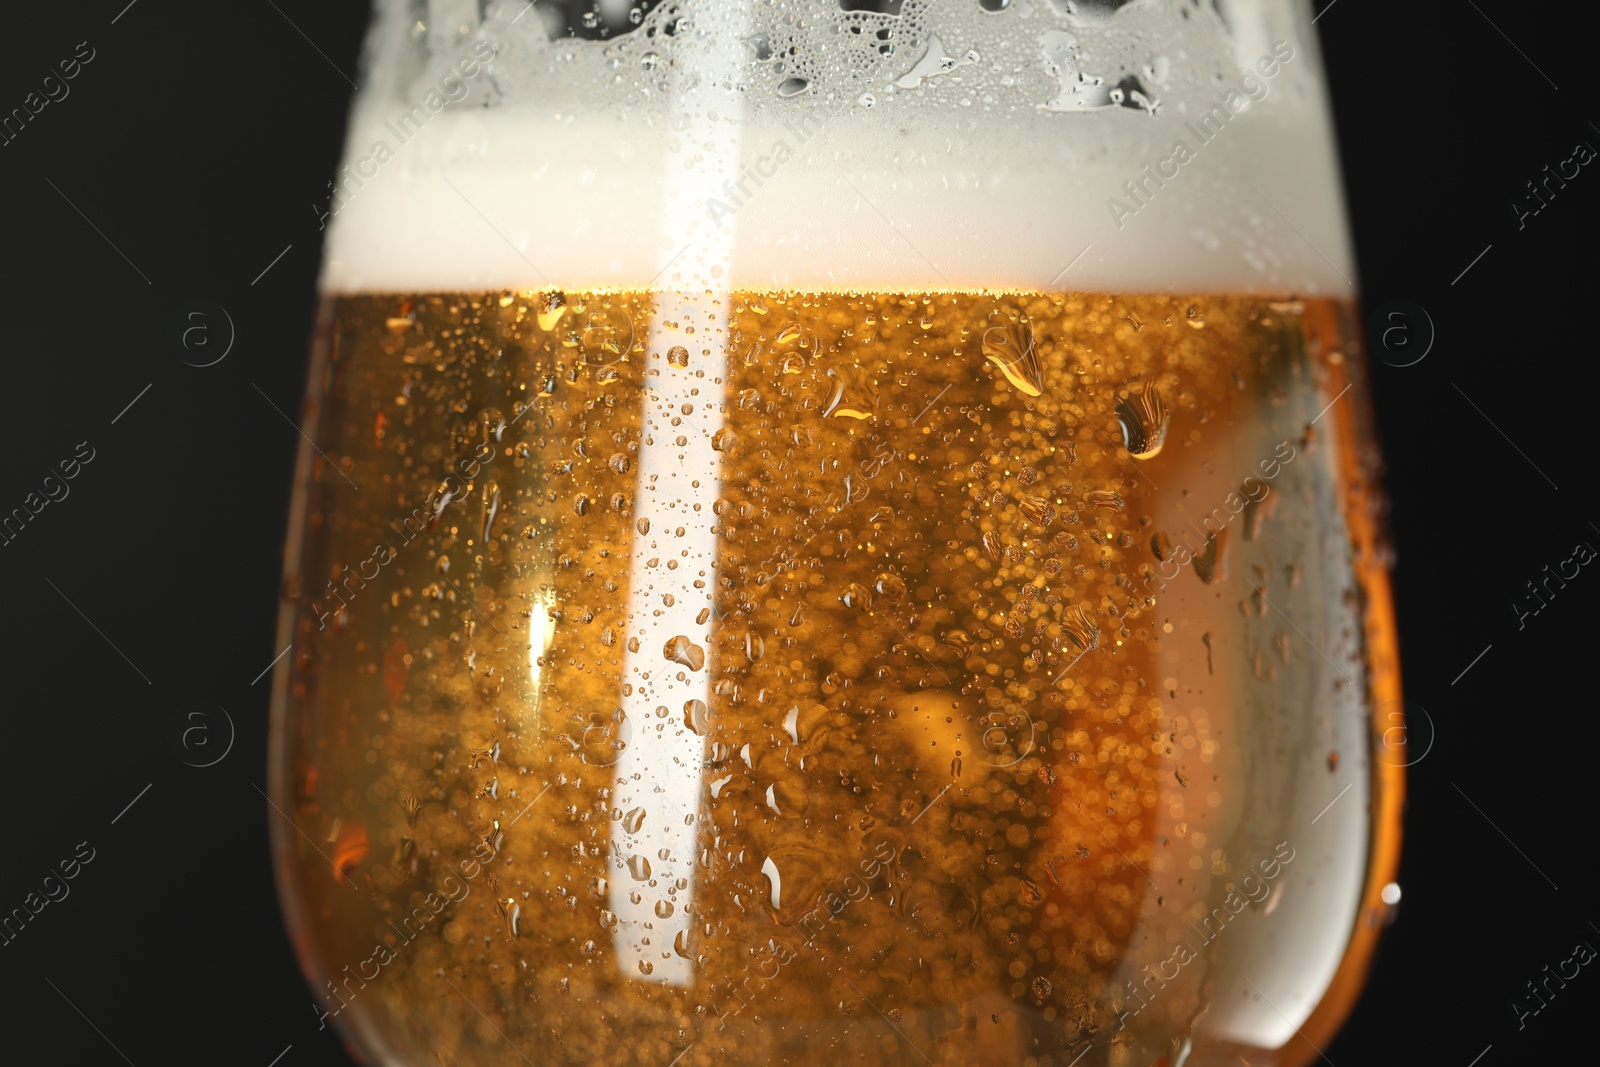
{"x": 198, "y": 140}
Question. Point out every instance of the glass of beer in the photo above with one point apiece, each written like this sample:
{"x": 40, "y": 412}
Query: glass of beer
{"x": 834, "y": 532}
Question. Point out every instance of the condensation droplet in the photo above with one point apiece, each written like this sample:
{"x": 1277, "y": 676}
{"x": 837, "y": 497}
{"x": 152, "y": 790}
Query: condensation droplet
{"x": 685, "y": 652}
{"x": 1144, "y": 422}
{"x": 551, "y": 307}
{"x": 1106, "y": 498}
{"x": 1009, "y": 346}
{"x": 770, "y": 869}
{"x": 1036, "y": 509}
{"x": 697, "y": 716}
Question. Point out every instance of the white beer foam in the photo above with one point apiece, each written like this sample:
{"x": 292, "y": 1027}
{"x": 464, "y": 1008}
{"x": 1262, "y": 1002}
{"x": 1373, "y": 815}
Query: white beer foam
{"x": 988, "y": 151}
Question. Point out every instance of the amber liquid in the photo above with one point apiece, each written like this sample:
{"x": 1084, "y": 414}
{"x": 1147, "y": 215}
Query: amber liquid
{"x": 954, "y": 678}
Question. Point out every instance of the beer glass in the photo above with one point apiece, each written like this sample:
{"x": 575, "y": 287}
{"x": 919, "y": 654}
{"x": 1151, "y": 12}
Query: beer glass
{"x": 834, "y": 532}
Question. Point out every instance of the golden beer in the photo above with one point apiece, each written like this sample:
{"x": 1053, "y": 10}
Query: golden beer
{"x": 956, "y": 677}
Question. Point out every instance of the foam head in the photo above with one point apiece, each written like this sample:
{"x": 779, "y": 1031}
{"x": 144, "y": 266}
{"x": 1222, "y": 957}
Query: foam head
{"x": 1159, "y": 146}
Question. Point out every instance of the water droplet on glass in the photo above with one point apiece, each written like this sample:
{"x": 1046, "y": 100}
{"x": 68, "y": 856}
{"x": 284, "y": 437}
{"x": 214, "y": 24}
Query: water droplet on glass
{"x": 1106, "y": 498}
{"x": 890, "y": 586}
{"x": 632, "y": 821}
{"x": 1082, "y": 634}
{"x": 683, "y": 651}
{"x": 664, "y": 909}
{"x": 696, "y": 716}
{"x": 639, "y": 867}
{"x": 491, "y": 507}
{"x": 770, "y": 869}
{"x": 551, "y": 307}
{"x": 1009, "y": 346}
{"x": 678, "y": 356}
{"x": 1036, "y": 509}
{"x": 1144, "y": 422}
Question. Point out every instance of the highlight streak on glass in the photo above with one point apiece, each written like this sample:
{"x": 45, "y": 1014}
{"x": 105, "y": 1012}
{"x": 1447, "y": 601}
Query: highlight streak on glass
{"x": 675, "y": 547}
